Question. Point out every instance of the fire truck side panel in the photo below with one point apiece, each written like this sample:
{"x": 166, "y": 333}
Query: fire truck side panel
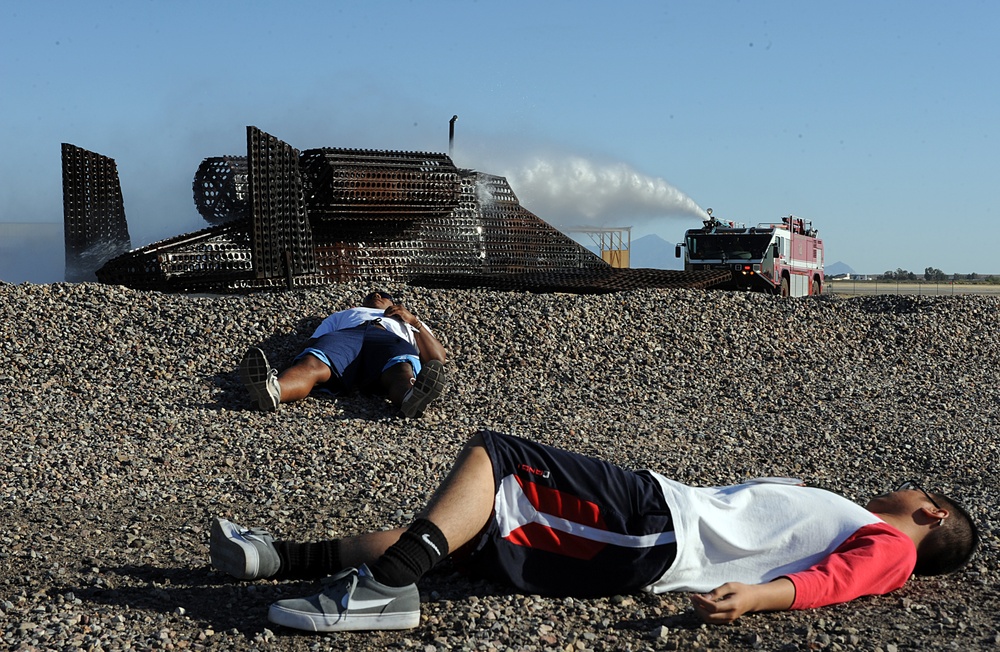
{"x": 800, "y": 285}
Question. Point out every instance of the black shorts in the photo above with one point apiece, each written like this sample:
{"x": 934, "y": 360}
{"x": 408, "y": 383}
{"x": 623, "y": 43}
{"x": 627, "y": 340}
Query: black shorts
{"x": 358, "y": 356}
{"x": 566, "y": 524}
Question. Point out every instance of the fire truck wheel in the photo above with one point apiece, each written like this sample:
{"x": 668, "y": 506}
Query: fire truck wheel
{"x": 784, "y": 286}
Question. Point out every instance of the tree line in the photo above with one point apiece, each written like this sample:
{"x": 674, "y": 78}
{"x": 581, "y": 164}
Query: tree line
{"x": 933, "y": 274}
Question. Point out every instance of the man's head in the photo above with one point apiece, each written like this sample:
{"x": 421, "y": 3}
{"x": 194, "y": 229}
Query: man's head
{"x": 950, "y": 536}
{"x": 949, "y": 545}
{"x": 378, "y": 299}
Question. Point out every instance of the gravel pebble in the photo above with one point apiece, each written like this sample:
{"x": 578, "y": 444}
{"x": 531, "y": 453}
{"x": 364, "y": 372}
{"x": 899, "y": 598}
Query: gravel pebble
{"x": 124, "y": 429}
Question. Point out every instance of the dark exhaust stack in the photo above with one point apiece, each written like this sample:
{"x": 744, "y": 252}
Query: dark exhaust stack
{"x": 451, "y": 135}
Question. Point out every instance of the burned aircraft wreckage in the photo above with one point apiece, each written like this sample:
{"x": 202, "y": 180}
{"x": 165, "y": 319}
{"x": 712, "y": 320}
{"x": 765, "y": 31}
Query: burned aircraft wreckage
{"x": 284, "y": 219}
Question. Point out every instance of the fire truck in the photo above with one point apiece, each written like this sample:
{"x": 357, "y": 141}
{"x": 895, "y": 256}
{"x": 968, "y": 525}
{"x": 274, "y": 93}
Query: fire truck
{"x": 783, "y": 257}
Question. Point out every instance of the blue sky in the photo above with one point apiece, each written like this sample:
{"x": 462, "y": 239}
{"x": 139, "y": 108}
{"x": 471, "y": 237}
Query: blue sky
{"x": 875, "y": 120}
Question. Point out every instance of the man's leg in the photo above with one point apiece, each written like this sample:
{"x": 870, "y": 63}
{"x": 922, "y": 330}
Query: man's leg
{"x": 269, "y": 388}
{"x": 409, "y": 392}
{"x": 301, "y": 378}
{"x": 459, "y": 509}
{"x": 382, "y": 593}
{"x": 463, "y": 503}
{"x": 396, "y": 381}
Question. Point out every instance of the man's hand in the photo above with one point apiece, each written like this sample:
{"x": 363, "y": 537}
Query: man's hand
{"x": 400, "y": 313}
{"x": 733, "y": 599}
{"x": 427, "y": 344}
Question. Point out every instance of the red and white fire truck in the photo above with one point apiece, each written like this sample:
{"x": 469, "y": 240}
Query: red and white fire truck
{"x": 783, "y": 257}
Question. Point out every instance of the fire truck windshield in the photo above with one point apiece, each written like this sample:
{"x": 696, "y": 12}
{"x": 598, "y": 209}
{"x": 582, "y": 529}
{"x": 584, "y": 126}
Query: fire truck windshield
{"x": 727, "y": 246}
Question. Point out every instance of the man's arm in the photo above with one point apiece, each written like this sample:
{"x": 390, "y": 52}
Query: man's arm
{"x": 874, "y": 560}
{"x": 427, "y": 345}
{"x": 733, "y": 599}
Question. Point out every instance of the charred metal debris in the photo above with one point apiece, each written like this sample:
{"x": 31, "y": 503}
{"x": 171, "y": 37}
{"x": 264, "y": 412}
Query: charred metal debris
{"x": 284, "y": 219}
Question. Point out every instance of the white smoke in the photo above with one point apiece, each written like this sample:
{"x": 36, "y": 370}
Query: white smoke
{"x": 573, "y": 190}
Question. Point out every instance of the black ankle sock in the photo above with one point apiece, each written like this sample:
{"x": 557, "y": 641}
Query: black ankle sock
{"x": 308, "y": 561}
{"x": 418, "y": 550}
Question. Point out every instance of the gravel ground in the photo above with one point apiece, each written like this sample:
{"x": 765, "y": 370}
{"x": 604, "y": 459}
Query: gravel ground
{"x": 124, "y": 429}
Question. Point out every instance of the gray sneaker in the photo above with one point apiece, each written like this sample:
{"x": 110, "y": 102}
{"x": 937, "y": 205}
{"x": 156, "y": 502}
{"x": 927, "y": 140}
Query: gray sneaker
{"x": 428, "y": 386}
{"x": 353, "y": 601}
{"x": 260, "y": 380}
{"x": 246, "y": 554}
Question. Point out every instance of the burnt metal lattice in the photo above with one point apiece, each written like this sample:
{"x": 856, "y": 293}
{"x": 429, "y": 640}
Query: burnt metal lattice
{"x": 340, "y": 215}
{"x": 200, "y": 261}
{"x": 282, "y": 236}
{"x": 516, "y": 240}
{"x": 363, "y": 184}
{"x": 93, "y": 212}
{"x": 221, "y": 190}
{"x": 587, "y": 281}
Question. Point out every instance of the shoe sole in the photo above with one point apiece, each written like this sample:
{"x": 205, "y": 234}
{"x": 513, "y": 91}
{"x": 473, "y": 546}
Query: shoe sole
{"x": 430, "y": 383}
{"x": 254, "y": 372}
{"x": 230, "y": 554}
{"x": 314, "y": 622}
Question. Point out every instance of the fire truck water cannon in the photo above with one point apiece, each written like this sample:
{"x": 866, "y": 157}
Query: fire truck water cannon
{"x": 784, "y": 257}
{"x": 712, "y": 223}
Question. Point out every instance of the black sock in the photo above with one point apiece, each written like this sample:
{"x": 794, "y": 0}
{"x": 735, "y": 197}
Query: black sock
{"x": 418, "y": 550}
{"x": 308, "y": 561}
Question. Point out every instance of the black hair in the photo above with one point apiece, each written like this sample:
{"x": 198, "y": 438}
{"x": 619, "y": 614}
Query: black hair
{"x": 381, "y": 293}
{"x": 949, "y": 546}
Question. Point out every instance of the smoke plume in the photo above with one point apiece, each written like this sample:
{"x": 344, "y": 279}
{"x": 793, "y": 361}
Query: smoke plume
{"x": 572, "y": 190}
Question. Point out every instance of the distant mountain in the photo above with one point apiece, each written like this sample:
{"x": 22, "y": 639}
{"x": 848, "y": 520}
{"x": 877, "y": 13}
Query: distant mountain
{"x": 838, "y": 268}
{"x": 654, "y": 252}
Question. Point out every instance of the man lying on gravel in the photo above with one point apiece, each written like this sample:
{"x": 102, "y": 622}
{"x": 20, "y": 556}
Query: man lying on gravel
{"x": 557, "y": 523}
{"x": 378, "y": 348}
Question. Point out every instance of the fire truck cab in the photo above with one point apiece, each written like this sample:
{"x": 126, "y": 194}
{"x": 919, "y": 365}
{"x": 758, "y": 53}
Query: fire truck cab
{"x": 783, "y": 257}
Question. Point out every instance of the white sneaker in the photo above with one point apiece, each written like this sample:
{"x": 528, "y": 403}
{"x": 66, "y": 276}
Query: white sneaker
{"x": 244, "y": 553}
{"x": 260, "y": 380}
